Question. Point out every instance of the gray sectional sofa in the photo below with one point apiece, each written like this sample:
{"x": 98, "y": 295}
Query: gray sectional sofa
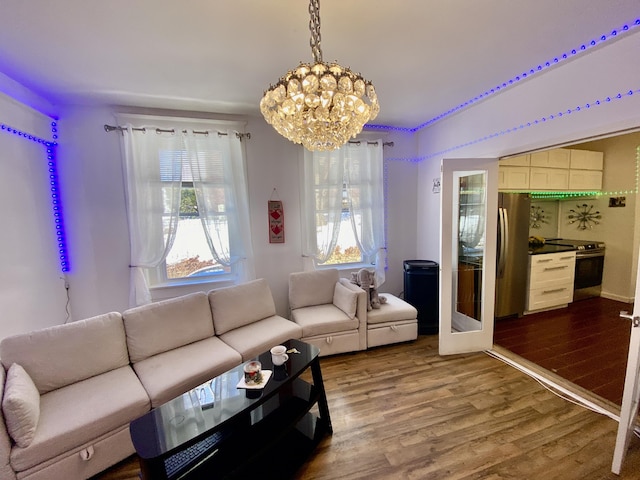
{"x": 69, "y": 392}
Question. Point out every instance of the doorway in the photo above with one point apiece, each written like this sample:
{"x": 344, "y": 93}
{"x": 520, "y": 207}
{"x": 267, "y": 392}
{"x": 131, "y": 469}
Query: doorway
{"x": 587, "y": 343}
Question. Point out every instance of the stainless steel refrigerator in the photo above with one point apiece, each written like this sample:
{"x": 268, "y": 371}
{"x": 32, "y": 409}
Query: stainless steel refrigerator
{"x": 513, "y": 252}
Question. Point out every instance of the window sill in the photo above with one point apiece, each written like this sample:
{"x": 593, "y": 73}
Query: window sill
{"x": 171, "y": 289}
{"x": 346, "y": 267}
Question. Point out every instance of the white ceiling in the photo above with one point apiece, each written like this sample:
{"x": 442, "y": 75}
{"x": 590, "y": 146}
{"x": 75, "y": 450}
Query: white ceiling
{"x": 423, "y": 56}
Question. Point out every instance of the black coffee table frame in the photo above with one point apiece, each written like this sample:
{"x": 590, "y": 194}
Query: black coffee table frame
{"x": 234, "y": 433}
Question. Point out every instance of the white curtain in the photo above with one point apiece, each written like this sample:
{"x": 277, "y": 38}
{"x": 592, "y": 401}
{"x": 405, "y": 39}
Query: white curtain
{"x": 153, "y": 205}
{"x": 351, "y": 175}
{"x": 365, "y": 190}
{"x": 323, "y": 180}
{"x": 222, "y": 200}
{"x": 155, "y": 165}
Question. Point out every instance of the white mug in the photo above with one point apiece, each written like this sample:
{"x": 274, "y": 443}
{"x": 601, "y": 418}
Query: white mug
{"x": 279, "y": 355}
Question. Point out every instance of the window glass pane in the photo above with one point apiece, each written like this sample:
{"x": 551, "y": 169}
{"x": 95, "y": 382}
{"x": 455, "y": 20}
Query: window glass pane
{"x": 190, "y": 254}
{"x": 346, "y": 250}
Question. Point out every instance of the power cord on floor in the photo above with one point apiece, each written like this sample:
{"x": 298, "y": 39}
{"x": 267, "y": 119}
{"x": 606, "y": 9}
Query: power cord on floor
{"x": 558, "y": 390}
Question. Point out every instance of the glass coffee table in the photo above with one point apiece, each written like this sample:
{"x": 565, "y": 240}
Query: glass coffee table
{"x": 218, "y": 430}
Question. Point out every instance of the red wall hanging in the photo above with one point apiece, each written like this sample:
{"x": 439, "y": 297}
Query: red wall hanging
{"x": 276, "y": 221}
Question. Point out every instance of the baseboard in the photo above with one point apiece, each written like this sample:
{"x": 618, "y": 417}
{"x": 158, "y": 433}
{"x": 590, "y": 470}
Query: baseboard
{"x": 618, "y": 298}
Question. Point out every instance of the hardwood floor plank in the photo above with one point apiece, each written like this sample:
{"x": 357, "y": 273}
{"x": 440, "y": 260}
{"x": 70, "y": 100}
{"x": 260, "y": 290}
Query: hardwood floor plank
{"x": 404, "y": 412}
{"x": 585, "y": 343}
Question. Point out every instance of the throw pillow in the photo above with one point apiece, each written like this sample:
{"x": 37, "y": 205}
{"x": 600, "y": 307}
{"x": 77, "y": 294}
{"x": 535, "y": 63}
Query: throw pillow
{"x": 345, "y": 299}
{"x": 21, "y": 406}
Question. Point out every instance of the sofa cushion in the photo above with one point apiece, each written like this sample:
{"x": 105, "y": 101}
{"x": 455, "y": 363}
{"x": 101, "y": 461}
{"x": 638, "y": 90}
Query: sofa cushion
{"x": 65, "y": 354}
{"x": 323, "y": 320}
{"x": 345, "y": 299}
{"x": 81, "y": 412}
{"x": 20, "y": 405}
{"x": 240, "y": 305}
{"x": 169, "y": 374}
{"x": 5, "y": 442}
{"x": 312, "y": 288}
{"x": 395, "y": 309}
{"x": 168, "y": 324}
{"x": 251, "y": 340}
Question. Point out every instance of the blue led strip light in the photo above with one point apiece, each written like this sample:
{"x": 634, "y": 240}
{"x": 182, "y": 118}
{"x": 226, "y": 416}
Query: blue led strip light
{"x": 512, "y": 81}
{"x": 533, "y": 123}
{"x": 54, "y": 187}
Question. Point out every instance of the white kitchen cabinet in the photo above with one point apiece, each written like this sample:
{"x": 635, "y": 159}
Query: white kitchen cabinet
{"x": 586, "y": 160}
{"x": 548, "y": 178}
{"x": 585, "y": 180}
{"x": 556, "y": 158}
{"x": 560, "y": 169}
{"x": 513, "y": 178}
{"x": 519, "y": 161}
{"x": 551, "y": 278}
{"x": 586, "y": 170}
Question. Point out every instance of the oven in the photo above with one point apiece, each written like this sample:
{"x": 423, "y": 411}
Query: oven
{"x": 589, "y": 266}
{"x": 588, "y": 279}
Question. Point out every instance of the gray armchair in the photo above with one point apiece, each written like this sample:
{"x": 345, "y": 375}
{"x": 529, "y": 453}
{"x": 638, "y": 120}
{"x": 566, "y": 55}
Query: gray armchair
{"x": 331, "y": 310}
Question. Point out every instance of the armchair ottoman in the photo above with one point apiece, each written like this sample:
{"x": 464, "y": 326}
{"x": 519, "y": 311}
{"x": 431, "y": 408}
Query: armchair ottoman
{"x": 395, "y": 321}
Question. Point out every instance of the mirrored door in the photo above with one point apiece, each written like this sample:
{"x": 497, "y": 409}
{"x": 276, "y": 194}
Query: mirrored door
{"x": 468, "y": 216}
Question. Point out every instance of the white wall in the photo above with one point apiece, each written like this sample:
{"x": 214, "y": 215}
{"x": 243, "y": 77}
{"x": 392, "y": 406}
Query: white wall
{"x": 600, "y": 73}
{"x": 32, "y": 293}
{"x": 401, "y": 176}
{"x": 93, "y": 195}
{"x": 617, "y": 226}
{"x": 98, "y": 239}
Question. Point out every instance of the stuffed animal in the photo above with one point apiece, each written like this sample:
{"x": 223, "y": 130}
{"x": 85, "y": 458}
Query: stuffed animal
{"x": 365, "y": 279}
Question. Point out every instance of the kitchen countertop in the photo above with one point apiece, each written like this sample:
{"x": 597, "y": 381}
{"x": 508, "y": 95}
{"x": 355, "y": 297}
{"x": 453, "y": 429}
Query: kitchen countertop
{"x": 547, "y": 248}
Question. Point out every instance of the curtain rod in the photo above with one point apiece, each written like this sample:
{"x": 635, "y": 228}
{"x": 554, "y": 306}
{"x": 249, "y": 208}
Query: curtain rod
{"x": 112, "y": 128}
{"x": 384, "y": 144}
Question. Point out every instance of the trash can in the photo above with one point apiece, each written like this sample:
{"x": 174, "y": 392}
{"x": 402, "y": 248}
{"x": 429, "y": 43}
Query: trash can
{"x": 421, "y": 289}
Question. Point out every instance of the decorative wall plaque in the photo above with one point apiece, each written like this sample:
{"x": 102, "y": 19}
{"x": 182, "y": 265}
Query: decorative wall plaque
{"x": 276, "y": 221}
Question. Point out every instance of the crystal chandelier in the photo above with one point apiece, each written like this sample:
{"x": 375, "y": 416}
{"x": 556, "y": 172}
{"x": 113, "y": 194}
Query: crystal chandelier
{"x": 322, "y": 105}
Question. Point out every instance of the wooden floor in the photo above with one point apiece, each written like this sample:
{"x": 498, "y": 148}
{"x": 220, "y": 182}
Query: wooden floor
{"x": 586, "y": 343}
{"x": 404, "y": 412}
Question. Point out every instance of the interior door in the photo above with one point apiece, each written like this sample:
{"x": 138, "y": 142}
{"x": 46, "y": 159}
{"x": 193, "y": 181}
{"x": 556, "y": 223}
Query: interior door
{"x": 468, "y": 230}
{"x": 631, "y": 393}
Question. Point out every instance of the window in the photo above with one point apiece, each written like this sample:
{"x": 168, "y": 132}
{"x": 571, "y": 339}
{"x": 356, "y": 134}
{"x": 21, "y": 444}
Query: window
{"x": 187, "y": 203}
{"x": 343, "y": 206}
{"x": 190, "y": 256}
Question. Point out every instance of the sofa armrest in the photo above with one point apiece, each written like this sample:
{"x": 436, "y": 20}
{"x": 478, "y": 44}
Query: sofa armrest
{"x": 361, "y": 311}
{"x": 5, "y": 442}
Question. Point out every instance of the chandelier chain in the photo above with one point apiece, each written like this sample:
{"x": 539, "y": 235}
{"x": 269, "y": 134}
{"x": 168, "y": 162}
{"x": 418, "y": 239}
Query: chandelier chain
{"x": 314, "y": 28}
